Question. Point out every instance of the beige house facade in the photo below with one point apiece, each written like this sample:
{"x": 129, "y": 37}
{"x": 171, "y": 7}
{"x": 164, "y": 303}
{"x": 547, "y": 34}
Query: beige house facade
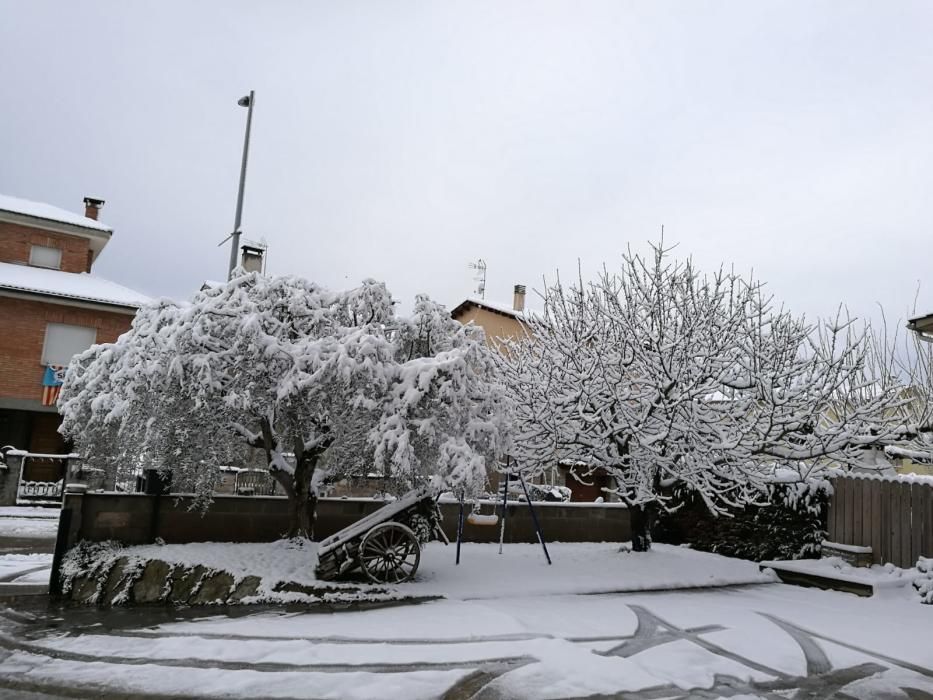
{"x": 499, "y": 321}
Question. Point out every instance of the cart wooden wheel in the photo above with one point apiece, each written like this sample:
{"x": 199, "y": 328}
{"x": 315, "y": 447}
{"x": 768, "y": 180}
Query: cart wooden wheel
{"x": 390, "y": 553}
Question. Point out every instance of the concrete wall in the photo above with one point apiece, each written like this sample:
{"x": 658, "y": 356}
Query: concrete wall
{"x": 139, "y": 519}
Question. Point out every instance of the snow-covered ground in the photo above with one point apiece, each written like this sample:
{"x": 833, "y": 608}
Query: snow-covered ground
{"x": 25, "y": 568}
{"x": 483, "y": 573}
{"x": 24, "y": 522}
{"x": 521, "y": 569}
{"x": 884, "y": 580}
{"x": 271, "y": 561}
{"x": 758, "y": 641}
{"x": 510, "y": 627}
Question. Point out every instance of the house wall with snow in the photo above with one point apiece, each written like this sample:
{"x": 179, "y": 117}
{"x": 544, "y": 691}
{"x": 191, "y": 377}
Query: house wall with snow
{"x": 502, "y": 322}
{"x": 17, "y": 242}
{"x": 51, "y": 307}
{"x": 499, "y": 321}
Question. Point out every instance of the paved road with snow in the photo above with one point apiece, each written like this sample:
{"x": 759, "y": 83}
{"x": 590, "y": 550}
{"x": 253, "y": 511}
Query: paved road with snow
{"x": 771, "y": 641}
{"x": 27, "y": 540}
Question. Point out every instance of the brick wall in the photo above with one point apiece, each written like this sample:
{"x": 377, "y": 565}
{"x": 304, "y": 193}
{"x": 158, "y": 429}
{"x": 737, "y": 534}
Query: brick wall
{"x": 44, "y": 439}
{"x": 15, "y": 240}
{"x": 23, "y": 324}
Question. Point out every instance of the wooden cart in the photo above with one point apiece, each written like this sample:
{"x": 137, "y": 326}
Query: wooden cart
{"x": 386, "y": 544}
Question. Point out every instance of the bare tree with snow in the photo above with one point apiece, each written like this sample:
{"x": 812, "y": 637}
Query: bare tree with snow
{"x": 320, "y": 382}
{"x": 903, "y": 361}
{"x": 664, "y": 377}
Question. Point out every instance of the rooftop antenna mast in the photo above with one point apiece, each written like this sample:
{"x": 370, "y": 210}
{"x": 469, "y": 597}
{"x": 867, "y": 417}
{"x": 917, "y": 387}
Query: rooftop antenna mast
{"x": 480, "y": 278}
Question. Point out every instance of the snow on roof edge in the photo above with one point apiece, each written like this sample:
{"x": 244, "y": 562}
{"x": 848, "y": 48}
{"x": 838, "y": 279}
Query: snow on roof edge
{"x": 49, "y": 212}
{"x": 68, "y": 285}
{"x": 909, "y": 478}
{"x": 498, "y": 308}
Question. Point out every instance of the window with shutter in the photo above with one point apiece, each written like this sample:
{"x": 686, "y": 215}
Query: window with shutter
{"x": 62, "y": 342}
{"x": 45, "y": 256}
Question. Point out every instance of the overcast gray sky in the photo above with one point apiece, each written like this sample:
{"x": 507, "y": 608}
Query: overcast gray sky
{"x": 400, "y": 140}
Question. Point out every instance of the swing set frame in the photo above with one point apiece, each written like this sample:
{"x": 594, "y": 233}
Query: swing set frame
{"x": 505, "y": 513}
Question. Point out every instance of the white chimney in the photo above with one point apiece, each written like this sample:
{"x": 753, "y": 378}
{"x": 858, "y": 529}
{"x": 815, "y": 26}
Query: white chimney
{"x": 251, "y": 258}
{"x": 518, "y": 300}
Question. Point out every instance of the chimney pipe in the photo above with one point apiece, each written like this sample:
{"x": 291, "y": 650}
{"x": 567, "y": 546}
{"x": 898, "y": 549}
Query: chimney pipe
{"x": 518, "y": 300}
{"x": 92, "y": 207}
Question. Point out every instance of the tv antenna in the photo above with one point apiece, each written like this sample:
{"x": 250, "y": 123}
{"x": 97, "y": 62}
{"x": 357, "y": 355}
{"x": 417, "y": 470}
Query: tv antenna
{"x": 480, "y": 278}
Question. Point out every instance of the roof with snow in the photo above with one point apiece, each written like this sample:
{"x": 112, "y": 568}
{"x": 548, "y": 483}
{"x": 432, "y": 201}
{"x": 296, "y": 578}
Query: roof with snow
{"x": 47, "y": 212}
{"x": 921, "y": 324}
{"x": 503, "y": 309}
{"x": 68, "y": 285}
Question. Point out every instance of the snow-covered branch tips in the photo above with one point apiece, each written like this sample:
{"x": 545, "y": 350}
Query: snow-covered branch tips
{"x": 665, "y": 379}
{"x": 314, "y": 384}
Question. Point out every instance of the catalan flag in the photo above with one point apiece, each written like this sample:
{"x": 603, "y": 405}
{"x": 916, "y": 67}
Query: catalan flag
{"x": 52, "y": 384}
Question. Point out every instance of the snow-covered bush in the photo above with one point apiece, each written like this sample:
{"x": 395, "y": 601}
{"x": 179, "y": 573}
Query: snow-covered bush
{"x": 315, "y": 382}
{"x": 924, "y": 582}
{"x": 789, "y": 525}
{"x": 665, "y": 378}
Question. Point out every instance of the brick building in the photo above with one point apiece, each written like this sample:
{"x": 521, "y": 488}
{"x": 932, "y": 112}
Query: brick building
{"x": 51, "y": 307}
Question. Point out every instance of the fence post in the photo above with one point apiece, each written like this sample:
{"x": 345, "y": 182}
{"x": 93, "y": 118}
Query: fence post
{"x": 9, "y": 479}
{"x": 69, "y": 527}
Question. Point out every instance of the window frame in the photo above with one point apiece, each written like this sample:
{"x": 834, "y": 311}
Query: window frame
{"x": 33, "y": 247}
{"x": 44, "y": 358}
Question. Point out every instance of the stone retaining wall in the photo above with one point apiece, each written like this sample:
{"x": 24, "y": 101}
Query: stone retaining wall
{"x": 141, "y": 519}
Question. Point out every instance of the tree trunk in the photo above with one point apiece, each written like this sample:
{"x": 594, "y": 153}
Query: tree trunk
{"x": 302, "y": 512}
{"x": 643, "y": 518}
{"x": 302, "y": 503}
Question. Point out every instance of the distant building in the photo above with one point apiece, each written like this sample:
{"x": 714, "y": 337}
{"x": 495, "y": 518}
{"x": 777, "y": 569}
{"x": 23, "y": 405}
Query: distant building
{"x": 51, "y": 308}
{"x": 498, "y": 320}
{"x": 500, "y": 323}
{"x": 922, "y": 326}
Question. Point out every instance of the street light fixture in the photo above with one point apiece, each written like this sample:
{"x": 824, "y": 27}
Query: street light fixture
{"x": 247, "y": 101}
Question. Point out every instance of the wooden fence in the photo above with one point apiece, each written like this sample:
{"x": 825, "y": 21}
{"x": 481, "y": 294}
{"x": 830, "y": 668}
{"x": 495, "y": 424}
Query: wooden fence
{"x": 892, "y": 516}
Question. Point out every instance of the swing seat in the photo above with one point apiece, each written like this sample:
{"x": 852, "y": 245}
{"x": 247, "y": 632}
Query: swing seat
{"x": 482, "y": 520}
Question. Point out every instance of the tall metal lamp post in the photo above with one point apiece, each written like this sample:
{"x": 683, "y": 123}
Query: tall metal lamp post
{"x": 248, "y": 101}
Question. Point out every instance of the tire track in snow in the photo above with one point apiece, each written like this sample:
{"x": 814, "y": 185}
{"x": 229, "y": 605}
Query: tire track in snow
{"x": 9, "y": 578}
{"x": 412, "y": 641}
{"x": 11, "y": 644}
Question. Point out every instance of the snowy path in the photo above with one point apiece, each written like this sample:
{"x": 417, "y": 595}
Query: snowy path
{"x": 27, "y": 539}
{"x": 25, "y": 531}
{"x": 759, "y": 641}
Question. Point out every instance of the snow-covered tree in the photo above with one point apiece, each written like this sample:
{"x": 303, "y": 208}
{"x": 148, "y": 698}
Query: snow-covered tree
{"x": 666, "y": 378}
{"x": 320, "y": 382}
{"x": 903, "y": 361}
{"x": 446, "y": 413}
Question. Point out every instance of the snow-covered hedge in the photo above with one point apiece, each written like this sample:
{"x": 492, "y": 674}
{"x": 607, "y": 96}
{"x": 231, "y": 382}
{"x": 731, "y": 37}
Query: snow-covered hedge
{"x": 791, "y": 527}
{"x": 924, "y": 582}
